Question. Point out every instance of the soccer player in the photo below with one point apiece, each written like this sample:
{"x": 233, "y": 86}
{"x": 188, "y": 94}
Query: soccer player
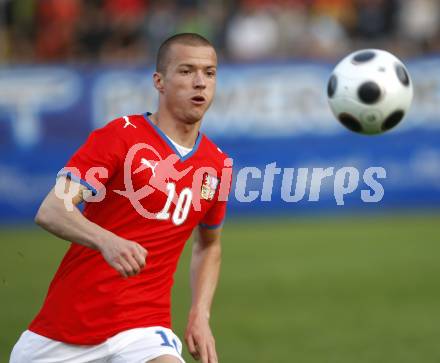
{"x": 147, "y": 181}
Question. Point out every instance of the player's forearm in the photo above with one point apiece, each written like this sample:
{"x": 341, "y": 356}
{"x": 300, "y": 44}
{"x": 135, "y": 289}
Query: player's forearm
{"x": 205, "y": 270}
{"x": 69, "y": 225}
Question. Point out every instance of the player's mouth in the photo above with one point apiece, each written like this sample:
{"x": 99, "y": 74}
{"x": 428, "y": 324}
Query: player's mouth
{"x": 198, "y": 100}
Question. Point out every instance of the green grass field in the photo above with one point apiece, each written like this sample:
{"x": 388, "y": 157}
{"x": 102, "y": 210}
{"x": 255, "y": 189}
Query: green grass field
{"x": 343, "y": 290}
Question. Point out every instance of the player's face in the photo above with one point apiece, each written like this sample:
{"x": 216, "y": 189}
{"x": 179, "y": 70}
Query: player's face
{"x": 189, "y": 82}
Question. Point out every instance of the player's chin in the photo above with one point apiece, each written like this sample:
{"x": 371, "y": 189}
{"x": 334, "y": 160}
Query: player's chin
{"x": 195, "y": 115}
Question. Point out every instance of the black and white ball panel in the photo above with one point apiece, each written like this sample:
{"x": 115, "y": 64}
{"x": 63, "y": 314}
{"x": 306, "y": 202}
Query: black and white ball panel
{"x": 369, "y": 92}
{"x": 402, "y": 74}
{"x": 392, "y": 120}
{"x": 363, "y": 57}
{"x": 331, "y": 86}
{"x": 350, "y": 122}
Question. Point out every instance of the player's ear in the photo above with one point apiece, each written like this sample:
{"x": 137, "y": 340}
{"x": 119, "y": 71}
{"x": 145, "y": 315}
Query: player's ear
{"x": 158, "y": 81}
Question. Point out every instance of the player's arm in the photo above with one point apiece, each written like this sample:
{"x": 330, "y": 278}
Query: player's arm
{"x": 127, "y": 257}
{"x": 205, "y": 269}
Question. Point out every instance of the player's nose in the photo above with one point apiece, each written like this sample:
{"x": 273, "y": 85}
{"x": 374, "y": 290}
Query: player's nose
{"x": 199, "y": 80}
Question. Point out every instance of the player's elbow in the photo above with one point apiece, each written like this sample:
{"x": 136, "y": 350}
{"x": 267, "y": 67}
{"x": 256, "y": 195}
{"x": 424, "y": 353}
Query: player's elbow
{"x": 51, "y": 212}
{"x": 46, "y": 215}
{"x": 42, "y": 217}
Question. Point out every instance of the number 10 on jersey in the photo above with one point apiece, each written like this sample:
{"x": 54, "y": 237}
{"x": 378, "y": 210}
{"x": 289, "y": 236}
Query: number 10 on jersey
{"x": 182, "y": 206}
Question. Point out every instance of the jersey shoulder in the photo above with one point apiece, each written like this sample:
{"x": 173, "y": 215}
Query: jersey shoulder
{"x": 123, "y": 129}
{"x": 125, "y": 124}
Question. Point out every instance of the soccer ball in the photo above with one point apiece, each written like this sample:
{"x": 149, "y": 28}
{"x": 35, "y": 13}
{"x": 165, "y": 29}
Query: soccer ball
{"x": 370, "y": 91}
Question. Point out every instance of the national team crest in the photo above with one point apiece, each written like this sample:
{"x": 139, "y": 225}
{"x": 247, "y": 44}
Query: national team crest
{"x": 209, "y": 187}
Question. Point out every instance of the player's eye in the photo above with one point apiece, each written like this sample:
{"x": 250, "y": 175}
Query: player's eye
{"x": 185, "y": 71}
{"x": 211, "y": 73}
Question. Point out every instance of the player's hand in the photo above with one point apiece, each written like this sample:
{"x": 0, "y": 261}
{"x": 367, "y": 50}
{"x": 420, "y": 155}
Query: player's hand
{"x": 126, "y": 257}
{"x": 199, "y": 339}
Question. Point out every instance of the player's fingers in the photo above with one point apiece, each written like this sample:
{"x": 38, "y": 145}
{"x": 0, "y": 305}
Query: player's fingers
{"x": 140, "y": 260}
{"x": 203, "y": 351}
{"x": 127, "y": 267}
{"x": 192, "y": 346}
{"x": 141, "y": 255}
{"x": 212, "y": 354}
{"x": 118, "y": 267}
{"x": 134, "y": 246}
{"x": 135, "y": 267}
{"x": 143, "y": 250}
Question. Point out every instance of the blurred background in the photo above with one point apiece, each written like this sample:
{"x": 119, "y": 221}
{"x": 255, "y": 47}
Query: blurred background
{"x": 309, "y": 281}
{"x": 130, "y": 31}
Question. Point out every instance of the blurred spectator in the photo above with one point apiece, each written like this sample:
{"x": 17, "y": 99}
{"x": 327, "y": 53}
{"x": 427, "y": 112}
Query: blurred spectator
{"x": 375, "y": 18}
{"x": 92, "y": 31}
{"x": 328, "y": 37}
{"x": 292, "y": 20}
{"x": 124, "y": 43}
{"x": 340, "y": 11}
{"x": 329, "y": 22}
{"x": 192, "y": 20}
{"x": 130, "y": 31}
{"x": 129, "y": 9}
{"x": 419, "y": 21}
{"x": 252, "y": 34}
{"x": 17, "y": 29}
{"x": 56, "y": 21}
{"x": 161, "y": 23}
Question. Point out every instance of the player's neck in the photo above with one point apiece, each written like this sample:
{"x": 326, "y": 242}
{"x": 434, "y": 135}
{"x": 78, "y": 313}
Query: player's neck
{"x": 181, "y": 133}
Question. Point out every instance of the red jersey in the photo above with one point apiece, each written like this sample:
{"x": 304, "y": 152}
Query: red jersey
{"x": 151, "y": 195}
